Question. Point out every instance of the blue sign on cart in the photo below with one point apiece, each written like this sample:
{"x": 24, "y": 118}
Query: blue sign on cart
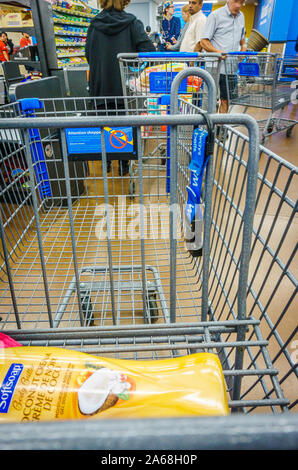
{"x": 85, "y": 143}
{"x": 290, "y": 71}
{"x": 248, "y": 69}
{"x": 161, "y": 82}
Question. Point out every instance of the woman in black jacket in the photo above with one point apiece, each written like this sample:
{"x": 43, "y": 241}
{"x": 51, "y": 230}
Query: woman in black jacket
{"x": 111, "y": 32}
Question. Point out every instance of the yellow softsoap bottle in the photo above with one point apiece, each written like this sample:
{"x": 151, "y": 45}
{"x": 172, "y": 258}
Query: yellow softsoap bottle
{"x": 48, "y": 383}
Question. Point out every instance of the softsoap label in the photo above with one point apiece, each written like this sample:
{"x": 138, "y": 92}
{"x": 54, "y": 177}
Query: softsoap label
{"x": 8, "y": 386}
{"x": 45, "y": 384}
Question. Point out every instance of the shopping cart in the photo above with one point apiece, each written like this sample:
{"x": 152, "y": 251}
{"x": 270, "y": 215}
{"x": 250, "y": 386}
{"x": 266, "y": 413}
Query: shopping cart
{"x": 215, "y": 303}
{"x": 262, "y": 80}
{"x": 288, "y": 68}
{"x": 145, "y": 73}
{"x": 150, "y": 75}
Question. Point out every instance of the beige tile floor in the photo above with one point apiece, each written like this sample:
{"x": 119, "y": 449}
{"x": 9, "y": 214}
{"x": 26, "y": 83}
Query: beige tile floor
{"x": 285, "y": 147}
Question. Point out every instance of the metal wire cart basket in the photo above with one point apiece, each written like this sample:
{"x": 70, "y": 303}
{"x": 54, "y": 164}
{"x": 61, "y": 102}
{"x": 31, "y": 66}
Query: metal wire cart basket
{"x": 150, "y": 76}
{"x": 86, "y": 267}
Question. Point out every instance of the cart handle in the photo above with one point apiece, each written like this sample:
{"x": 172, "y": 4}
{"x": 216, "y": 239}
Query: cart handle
{"x": 244, "y": 53}
{"x": 249, "y": 53}
{"x": 191, "y": 55}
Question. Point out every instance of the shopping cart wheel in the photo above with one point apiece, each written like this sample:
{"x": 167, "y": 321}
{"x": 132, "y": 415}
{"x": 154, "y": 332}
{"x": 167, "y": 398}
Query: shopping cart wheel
{"x": 289, "y": 131}
{"x": 163, "y": 154}
{"x": 152, "y": 307}
{"x": 270, "y": 126}
{"x": 263, "y": 139}
{"x": 87, "y": 308}
{"x": 132, "y": 189}
{"x": 196, "y": 253}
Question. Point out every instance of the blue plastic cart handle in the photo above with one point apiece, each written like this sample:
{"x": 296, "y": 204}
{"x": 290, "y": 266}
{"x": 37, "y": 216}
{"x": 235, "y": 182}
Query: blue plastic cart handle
{"x": 181, "y": 55}
{"x": 29, "y": 104}
{"x": 244, "y": 53}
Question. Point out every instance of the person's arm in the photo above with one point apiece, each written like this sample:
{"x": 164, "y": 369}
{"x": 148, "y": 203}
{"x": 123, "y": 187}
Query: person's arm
{"x": 207, "y": 46}
{"x": 242, "y": 45}
{"x": 208, "y": 33}
{"x": 242, "y": 40}
{"x": 176, "y": 47}
{"x": 198, "y": 47}
{"x": 141, "y": 40}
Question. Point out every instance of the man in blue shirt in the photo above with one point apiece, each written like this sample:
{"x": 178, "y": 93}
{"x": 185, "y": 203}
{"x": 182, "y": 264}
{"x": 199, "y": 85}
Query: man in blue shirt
{"x": 225, "y": 32}
{"x": 171, "y": 25}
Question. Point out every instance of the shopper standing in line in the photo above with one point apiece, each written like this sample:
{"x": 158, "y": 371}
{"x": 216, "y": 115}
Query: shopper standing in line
{"x": 4, "y": 57}
{"x": 225, "y": 32}
{"x": 7, "y": 42}
{"x": 171, "y": 26}
{"x": 197, "y": 21}
{"x": 111, "y": 32}
{"x": 25, "y": 40}
{"x": 185, "y": 16}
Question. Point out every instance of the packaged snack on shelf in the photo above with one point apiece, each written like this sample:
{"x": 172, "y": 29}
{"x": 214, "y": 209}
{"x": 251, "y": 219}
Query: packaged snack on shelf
{"x": 49, "y": 383}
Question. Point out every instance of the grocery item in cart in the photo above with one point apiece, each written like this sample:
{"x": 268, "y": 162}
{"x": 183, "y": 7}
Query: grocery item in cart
{"x": 8, "y": 342}
{"x": 157, "y": 77}
{"x": 49, "y": 383}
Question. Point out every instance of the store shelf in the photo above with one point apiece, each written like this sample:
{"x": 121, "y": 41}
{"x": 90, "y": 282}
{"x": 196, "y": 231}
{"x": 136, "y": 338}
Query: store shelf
{"x": 71, "y": 23}
{"x": 18, "y": 29}
{"x": 60, "y": 33}
{"x": 29, "y": 63}
{"x": 71, "y": 67}
{"x": 70, "y": 55}
{"x": 70, "y": 44}
{"x": 73, "y": 12}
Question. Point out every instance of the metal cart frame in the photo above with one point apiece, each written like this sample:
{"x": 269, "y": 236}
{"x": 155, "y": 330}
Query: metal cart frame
{"x": 227, "y": 324}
